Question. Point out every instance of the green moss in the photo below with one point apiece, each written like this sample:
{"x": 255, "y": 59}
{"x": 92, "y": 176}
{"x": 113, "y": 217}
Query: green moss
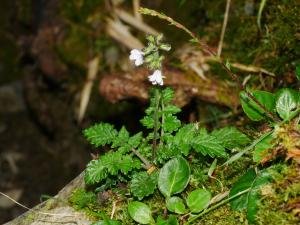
{"x": 277, "y": 205}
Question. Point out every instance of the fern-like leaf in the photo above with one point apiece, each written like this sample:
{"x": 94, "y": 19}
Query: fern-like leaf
{"x": 100, "y": 134}
{"x": 109, "y": 164}
{"x": 143, "y": 184}
{"x": 231, "y": 137}
{"x": 208, "y": 145}
{"x": 183, "y": 138}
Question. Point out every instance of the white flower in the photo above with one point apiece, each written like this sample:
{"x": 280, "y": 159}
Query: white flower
{"x": 137, "y": 56}
{"x": 156, "y": 78}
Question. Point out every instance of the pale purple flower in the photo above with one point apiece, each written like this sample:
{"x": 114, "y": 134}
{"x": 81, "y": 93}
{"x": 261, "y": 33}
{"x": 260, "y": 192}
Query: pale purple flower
{"x": 156, "y": 78}
{"x": 137, "y": 56}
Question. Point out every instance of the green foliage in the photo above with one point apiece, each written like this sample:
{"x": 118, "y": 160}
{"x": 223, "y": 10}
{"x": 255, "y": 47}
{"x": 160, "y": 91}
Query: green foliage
{"x": 140, "y": 212}
{"x": 298, "y": 72}
{"x": 252, "y": 109}
{"x": 170, "y": 221}
{"x": 231, "y": 137}
{"x": 208, "y": 144}
{"x": 286, "y": 103}
{"x": 100, "y": 134}
{"x": 174, "y": 176}
{"x": 107, "y": 222}
{"x": 109, "y": 164}
{"x": 81, "y": 199}
{"x": 253, "y": 182}
{"x": 198, "y": 200}
{"x": 143, "y": 184}
{"x": 261, "y": 150}
{"x": 176, "y": 205}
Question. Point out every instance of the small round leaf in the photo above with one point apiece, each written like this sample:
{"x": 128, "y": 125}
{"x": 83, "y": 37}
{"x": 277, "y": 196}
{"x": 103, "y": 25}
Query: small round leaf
{"x": 140, "y": 212}
{"x": 176, "y": 205}
{"x": 198, "y": 200}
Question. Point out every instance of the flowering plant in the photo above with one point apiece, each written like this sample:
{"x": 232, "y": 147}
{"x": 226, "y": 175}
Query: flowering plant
{"x": 151, "y": 57}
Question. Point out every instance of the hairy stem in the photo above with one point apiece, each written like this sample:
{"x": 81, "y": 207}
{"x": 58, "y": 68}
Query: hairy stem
{"x": 156, "y": 118}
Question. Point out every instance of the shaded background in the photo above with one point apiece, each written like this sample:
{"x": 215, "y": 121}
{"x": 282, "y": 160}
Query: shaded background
{"x": 46, "y": 50}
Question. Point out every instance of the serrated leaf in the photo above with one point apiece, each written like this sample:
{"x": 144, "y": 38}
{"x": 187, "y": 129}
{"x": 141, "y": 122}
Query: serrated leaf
{"x": 140, "y": 212}
{"x": 286, "y": 103}
{"x": 174, "y": 176}
{"x": 135, "y": 140}
{"x": 143, "y": 184}
{"x": 171, "y": 123}
{"x": 250, "y": 199}
{"x": 121, "y": 139}
{"x": 208, "y": 145}
{"x": 171, "y": 109}
{"x": 175, "y": 205}
{"x": 230, "y": 137}
{"x": 167, "y": 95}
{"x": 110, "y": 163}
{"x": 261, "y": 149}
{"x": 100, "y": 134}
{"x": 254, "y": 111}
{"x": 184, "y": 137}
{"x": 198, "y": 200}
{"x": 95, "y": 172}
{"x": 147, "y": 122}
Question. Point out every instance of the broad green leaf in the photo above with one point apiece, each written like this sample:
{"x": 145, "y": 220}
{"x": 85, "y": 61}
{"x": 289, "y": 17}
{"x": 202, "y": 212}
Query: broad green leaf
{"x": 143, "y": 184}
{"x": 208, "y": 144}
{"x": 250, "y": 199}
{"x": 100, "y": 134}
{"x": 230, "y": 137}
{"x": 174, "y": 176}
{"x": 176, "y": 205}
{"x": 252, "y": 109}
{"x": 198, "y": 200}
{"x": 286, "y": 103}
{"x": 261, "y": 149}
{"x": 140, "y": 212}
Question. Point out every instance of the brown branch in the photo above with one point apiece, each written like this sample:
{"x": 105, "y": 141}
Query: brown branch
{"x": 147, "y": 164}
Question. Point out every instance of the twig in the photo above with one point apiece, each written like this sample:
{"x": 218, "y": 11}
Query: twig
{"x": 93, "y": 67}
{"x": 223, "y": 28}
{"x": 148, "y": 165}
{"x": 113, "y": 210}
{"x": 136, "y": 6}
{"x": 32, "y": 210}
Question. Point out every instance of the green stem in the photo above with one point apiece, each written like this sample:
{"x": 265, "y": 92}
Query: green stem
{"x": 216, "y": 206}
{"x": 156, "y": 118}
